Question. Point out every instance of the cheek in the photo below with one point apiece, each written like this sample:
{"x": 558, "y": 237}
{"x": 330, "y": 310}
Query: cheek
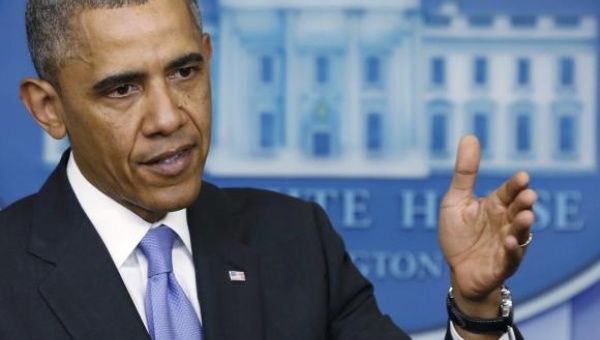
{"x": 198, "y": 104}
{"x": 112, "y": 151}
{"x": 110, "y": 144}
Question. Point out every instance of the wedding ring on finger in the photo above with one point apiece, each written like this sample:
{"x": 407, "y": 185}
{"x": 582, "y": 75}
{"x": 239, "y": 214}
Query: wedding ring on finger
{"x": 529, "y": 239}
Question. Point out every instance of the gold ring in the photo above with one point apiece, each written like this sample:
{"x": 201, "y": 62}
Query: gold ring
{"x": 529, "y": 239}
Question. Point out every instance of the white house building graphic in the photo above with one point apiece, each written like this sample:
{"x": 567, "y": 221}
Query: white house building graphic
{"x": 385, "y": 88}
{"x": 382, "y": 88}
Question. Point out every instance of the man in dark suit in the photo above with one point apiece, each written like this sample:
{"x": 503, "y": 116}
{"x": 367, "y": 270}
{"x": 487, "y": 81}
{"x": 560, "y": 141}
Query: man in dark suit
{"x": 129, "y": 84}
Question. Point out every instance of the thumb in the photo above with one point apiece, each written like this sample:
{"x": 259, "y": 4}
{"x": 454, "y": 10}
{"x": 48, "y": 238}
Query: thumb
{"x": 466, "y": 166}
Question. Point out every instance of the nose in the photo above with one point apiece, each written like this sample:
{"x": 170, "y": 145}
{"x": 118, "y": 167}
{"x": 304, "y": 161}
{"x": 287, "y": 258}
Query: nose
{"x": 163, "y": 114}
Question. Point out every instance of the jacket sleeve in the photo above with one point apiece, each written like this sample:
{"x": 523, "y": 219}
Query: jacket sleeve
{"x": 352, "y": 310}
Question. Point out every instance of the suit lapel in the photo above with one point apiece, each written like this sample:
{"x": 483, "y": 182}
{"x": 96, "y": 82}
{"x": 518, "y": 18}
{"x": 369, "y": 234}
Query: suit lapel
{"x": 230, "y": 309}
{"x": 83, "y": 287}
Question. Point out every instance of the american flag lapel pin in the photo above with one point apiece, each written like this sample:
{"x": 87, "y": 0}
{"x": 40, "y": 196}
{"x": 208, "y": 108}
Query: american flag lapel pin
{"x": 236, "y": 276}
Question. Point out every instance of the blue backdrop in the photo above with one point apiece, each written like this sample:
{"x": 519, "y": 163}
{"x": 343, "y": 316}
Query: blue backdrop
{"x": 358, "y": 105}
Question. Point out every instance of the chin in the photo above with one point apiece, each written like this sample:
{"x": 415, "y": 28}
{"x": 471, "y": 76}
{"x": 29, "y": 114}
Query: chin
{"x": 180, "y": 197}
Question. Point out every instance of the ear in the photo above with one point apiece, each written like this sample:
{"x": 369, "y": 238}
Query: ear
{"x": 43, "y": 103}
{"x": 207, "y": 46}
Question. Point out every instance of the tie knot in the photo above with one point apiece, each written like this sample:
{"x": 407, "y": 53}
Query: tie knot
{"x": 157, "y": 246}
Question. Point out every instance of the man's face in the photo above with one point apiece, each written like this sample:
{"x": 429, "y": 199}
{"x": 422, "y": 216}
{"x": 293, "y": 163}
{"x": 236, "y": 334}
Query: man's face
{"x": 137, "y": 104}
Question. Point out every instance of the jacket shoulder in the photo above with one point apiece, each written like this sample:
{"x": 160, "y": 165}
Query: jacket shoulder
{"x": 15, "y": 226}
{"x": 18, "y": 212}
{"x": 265, "y": 199}
{"x": 274, "y": 217}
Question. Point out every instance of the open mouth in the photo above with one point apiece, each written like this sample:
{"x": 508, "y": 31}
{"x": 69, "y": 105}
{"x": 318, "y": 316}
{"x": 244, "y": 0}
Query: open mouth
{"x": 171, "y": 163}
{"x": 172, "y": 159}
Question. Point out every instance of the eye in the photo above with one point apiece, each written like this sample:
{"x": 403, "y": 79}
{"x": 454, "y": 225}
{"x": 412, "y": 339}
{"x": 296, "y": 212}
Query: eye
{"x": 122, "y": 91}
{"x": 183, "y": 73}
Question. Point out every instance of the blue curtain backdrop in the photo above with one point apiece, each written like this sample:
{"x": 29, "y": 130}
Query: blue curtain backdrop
{"x": 358, "y": 105}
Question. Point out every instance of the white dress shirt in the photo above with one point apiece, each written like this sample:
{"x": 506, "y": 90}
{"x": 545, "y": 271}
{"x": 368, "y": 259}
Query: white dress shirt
{"x": 122, "y": 230}
{"x": 510, "y": 335}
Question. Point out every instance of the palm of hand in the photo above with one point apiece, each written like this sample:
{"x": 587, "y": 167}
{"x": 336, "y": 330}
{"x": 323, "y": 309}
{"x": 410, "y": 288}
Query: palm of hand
{"x": 472, "y": 234}
{"x": 480, "y": 237}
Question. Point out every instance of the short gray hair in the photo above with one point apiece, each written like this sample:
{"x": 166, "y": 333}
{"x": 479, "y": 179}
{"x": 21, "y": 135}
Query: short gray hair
{"x": 49, "y": 34}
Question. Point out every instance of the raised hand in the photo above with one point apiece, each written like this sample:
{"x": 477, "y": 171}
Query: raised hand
{"x": 481, "y": 237}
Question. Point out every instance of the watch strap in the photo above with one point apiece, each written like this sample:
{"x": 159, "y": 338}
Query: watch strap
{"x": 478, "y": 325}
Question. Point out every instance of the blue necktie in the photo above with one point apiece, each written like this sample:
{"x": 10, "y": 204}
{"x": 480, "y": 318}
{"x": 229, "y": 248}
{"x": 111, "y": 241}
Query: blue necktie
{"x": 169, "y": 313}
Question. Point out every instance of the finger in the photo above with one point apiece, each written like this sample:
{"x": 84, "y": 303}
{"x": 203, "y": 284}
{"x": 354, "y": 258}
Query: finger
{"x": 524, "y": 201}
{"x": 466, "y": 166}
{"x": 521, "y": 227}
{"x": 514, "y": 255}
{"x": 512, "y": 187}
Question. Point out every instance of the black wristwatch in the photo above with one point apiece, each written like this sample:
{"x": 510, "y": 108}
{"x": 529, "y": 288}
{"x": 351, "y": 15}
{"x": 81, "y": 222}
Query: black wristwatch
{"x": 478, "y": 325}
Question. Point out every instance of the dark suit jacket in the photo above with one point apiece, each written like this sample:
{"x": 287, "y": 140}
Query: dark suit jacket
{"x": 58, "y": 281}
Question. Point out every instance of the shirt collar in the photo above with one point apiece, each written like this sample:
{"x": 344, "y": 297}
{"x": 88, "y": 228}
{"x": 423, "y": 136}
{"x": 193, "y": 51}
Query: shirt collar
{"x": 121, "y": 230}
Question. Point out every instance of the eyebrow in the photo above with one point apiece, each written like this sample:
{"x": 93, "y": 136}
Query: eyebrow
{"x": 117, "y": 79}
{"x": 111, "y": 81}
{"x": 191, "y": 58}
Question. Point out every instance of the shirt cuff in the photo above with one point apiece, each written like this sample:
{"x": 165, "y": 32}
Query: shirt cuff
{"x": 506, "y": 336}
